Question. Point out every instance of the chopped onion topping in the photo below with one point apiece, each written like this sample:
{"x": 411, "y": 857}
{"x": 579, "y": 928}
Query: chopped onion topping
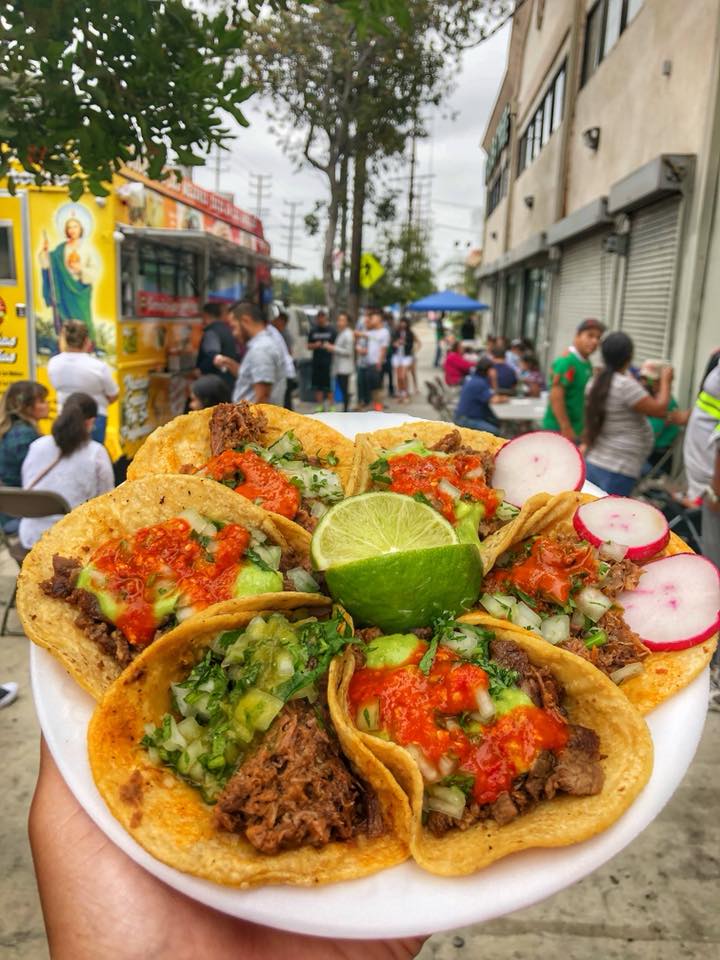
{"x": 624, "y": 673}
{"x": 524, "y": 616}
{"x": 556, "y": 629}
{"x": 477, "y": 473}
{"x": 302, "y": 581}
{"x": 429, "y": 773}
{"x": 199, "y": 524}
{"x": 447, "y": 800}
{"x": 593, "y": 603}
{"x": 613, "y": 551}
{"x": 486, "y": 707}
{"x": 448, "y": 489}
{"x": 447, "y": 765}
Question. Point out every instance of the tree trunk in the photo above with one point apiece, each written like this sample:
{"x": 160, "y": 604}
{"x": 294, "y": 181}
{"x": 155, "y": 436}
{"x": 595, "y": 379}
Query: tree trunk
{"x": 343, "y": 293}
{"x": 331, "y": 231}
{"x": 359, "y": 188}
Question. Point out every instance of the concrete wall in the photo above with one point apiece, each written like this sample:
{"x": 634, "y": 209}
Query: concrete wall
{"x": 495, "y": 224}
{"x": 541, "y": 48}
{"x": 640, "y": 112}
{"x": 539, "y": 180}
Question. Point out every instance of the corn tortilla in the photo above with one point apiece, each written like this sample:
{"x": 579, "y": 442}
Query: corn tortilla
{"x": 135, "y": 504}
{"x": 186, "y": 440}
{"x": 591, "y": 700}
{"x": 169, "y": 818}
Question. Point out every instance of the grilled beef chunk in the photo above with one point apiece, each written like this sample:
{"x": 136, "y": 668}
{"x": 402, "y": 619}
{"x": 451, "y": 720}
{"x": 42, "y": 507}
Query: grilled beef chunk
{"x": 234, "y": 424}
{"x": 61, "y": 586}
{"x": 575, "y": 769}
{"x": 297, "y": 789}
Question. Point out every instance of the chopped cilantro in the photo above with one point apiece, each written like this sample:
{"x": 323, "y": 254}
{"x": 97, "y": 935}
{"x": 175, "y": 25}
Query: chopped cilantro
{"x": 463, "y": 781}
{"x": 379, "y": 472}
{"x": 429, "y": 656}
{"x": 421, "y": 498}
{"x": 332, "y": 458}
{"x": 257, "y": 559}
{"x": 530, "y": 601}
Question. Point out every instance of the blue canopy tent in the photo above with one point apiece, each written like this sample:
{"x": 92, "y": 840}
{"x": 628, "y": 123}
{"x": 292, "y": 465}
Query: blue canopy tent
{"x": 447, "y": 300}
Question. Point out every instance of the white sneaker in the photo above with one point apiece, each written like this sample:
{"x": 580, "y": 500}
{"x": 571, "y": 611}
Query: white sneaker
{"x": 8, "y": 693}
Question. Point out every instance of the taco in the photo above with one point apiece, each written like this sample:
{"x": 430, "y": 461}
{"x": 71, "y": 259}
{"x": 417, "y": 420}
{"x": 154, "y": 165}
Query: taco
{"x": 450, "y": 468}
{"x": 501, "y": 742}
{"x": 106, "y": 579}
{"x": 558, "y": 585}
{"x": 287, "y": 463}
{"x": 216, "y": 751}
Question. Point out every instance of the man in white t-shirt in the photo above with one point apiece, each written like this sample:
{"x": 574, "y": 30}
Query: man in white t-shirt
{"x": 378, "y": 342}
{"x": 75, "y": 371}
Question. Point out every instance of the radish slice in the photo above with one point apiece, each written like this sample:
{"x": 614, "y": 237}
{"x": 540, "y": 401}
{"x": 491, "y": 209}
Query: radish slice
{"x": 634, "y": 524}
{"x": 676, "y": 604}
{"x": 539, "y": 462}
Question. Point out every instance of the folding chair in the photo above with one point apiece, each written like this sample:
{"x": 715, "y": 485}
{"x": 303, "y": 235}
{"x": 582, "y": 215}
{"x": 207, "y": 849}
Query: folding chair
{"x": 31, "y": 504}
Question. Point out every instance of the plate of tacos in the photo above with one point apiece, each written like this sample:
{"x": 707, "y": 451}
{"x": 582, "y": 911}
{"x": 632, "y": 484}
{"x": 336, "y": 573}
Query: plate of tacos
{"x": 229, "y": 727}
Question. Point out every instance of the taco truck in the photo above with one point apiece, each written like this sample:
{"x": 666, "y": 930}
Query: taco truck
{"x": 135, "y": 267}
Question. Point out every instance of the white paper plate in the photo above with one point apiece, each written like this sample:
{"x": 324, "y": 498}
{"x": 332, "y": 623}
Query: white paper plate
{"x": 404, "y": 900}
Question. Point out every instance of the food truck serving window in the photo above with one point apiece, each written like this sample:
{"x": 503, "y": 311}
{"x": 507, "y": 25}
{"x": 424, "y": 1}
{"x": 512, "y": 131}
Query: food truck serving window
{"x": 7, "y": 260}
{"x": 164, "y": 269}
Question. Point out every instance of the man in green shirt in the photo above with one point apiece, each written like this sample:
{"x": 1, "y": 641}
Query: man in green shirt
{"x": 570, "y": 374}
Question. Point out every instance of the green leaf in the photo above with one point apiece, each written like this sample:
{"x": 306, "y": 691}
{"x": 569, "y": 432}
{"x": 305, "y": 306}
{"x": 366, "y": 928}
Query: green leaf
{"x": 428, "y": 657}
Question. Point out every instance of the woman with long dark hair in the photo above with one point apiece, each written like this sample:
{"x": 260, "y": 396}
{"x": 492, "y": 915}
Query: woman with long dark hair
{"x": 22, "y": 405}
{"x": 618, "y": 436}
{"x": 208, "y": 391}
{"x": 67, "y": 462}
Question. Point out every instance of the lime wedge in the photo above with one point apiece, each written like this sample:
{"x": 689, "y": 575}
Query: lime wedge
{"x": 374, "y": 524}
{"x": 400, "y": 591}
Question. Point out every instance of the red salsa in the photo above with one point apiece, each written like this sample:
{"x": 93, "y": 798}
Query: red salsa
{"x": 411, "y": 473}
{"x": 412, "y": 708}
{"x": 550, "y": 570}
{"x": 248, "y": 474}
{"x": 165, "y": 559}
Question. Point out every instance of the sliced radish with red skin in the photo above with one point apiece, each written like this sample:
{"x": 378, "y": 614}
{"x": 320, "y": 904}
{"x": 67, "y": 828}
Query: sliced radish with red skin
{"x": 676, "y": 603}
{"x": 636, "y": 525}
{"x": 538, "y": 462}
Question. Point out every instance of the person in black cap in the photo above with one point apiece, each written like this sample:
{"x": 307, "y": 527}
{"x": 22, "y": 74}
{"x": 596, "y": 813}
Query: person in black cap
{"x": 570, "y": 375}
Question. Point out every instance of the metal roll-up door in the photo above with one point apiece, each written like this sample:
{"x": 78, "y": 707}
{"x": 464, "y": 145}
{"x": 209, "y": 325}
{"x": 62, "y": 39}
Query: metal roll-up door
{"x": 583, "y": 289}
{"x": 650, "y": 278}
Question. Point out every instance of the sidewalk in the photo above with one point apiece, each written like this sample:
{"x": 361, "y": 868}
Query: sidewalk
{"x": 657, "y": 900}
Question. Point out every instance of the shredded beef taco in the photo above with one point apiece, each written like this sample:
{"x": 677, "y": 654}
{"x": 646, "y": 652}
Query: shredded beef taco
{"x": 287, "y": 463}
{"x": 450, "y": 468}
{"x": 570, "y": 593}
{"x": 105, "y": 580}
{"x": 501, "y": 742}
{"x": 216, "y": 751}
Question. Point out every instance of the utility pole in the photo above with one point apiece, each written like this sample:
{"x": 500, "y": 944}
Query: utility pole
{"x": 411, "y": 187}
{"x": 289, "y": 229}
{"x": 218, "y": 168}
{"x": 260, "y": 185}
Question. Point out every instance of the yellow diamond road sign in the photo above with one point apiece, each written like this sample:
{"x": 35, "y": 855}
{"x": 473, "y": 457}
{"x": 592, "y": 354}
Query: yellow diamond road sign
{"x": 370, "y": 270}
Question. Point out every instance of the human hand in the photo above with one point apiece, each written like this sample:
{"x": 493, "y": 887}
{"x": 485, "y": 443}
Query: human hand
{"x": 666, "y": 374}
{"x": 219, "y": 360}
{"x": 98, "y": 903}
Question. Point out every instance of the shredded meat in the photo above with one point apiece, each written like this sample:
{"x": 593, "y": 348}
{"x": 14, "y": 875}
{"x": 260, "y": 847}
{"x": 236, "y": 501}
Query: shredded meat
{"x": 90, "y": 619}
{"x": 622, "y": 575}
{"x": 623, "y": 645}
{"x": 234, "y": 424}
{"x": 487, "y": 527}
{"x": 452, "y": 443}
{"x": 575, "y": 769}
{"x": 306, "y": 520}
{"x": 297, "y": 789}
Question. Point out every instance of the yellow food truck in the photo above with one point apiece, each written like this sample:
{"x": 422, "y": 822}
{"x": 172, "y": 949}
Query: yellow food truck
{"x": 135, "y": 267}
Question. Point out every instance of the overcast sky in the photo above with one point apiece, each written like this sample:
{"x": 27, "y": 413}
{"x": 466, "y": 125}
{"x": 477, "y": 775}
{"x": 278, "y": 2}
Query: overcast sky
{"x": 452, "y": 154}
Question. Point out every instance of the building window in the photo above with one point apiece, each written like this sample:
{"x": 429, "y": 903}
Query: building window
{"x": 7, "y": 260}
{"x": 543, "y": 123}
{"x": 605, "y": 22}
{"x": 498, "y": 189}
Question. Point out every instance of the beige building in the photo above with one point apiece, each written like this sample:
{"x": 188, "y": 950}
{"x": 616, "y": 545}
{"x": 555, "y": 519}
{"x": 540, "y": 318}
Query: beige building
{"x": 602, "y": 178}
